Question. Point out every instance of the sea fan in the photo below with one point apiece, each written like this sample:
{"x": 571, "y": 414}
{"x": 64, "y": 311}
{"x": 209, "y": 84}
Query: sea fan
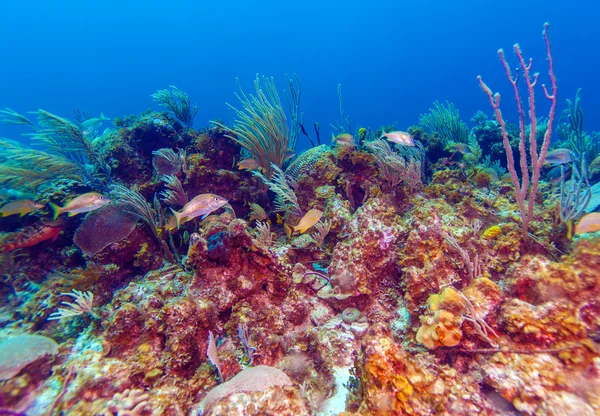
{"x": 108, "y": 225}
{"x": 166, "y": 162}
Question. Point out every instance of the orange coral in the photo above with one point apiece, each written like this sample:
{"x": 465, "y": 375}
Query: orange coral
{"x": 443, "y": 328}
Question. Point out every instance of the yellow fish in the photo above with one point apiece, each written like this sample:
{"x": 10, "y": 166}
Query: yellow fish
{"x": 588, "y": 223}
{"x": 257, "y": 212}
{"x": 83, "y": 203}
{"x": 310, "y": 218}
{"x": 506, "y": 178}
{"x": 21, "y": 207}
{"x": 458, "y": 148}
{"x": 492, "y": 232}
{"x": 248, "y": 164}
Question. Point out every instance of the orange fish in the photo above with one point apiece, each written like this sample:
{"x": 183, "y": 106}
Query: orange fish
{"x": 33, "y": 235}
{"x": 21, "y": 207}
{"x": 398, "y": 137}
{"x": 310, "y": 218}
{"x": 588, "y": 223}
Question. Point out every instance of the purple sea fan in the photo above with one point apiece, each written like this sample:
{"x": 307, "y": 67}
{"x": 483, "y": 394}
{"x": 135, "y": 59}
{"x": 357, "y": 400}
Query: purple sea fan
{"x": 108, "y": 225}
{"x": 166, "y": 162}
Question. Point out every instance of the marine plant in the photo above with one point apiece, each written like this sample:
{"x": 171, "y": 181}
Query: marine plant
{"x": 174, "y": 195}
{"x": 525, "y": 194}
{"x": 82, "y": 303}
{"x": 444, "y": 119}
{"x": 285, "y": 197}
{"x": 393, "y": 167}
{"x": 345, "y": 126}
{"x": 575, "y": 193}
{"x": 136, "y": 204}
{"x": 65, "y": 140}
{"x": 178, "y": 102}
{"x": 27, "y": 169}
{"x": 261, "y": 126}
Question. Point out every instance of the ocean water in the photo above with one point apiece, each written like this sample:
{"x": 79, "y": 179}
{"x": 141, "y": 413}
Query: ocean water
{"x": 392, "y": 58}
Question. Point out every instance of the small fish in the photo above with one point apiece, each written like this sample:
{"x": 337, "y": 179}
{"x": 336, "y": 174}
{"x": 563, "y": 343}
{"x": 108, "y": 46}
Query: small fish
{"x": 21, "y": 207}
{"x": 588, "y": 223}
{"x": 489, "y": 171}
{"x": 362, "y": 133}
{"x": 257, "y": 212}
{"x": 92, "y": 125}
{"x": 248, "y": 164}
{"x": 462, "y": 148}
{"x": 33, "y": 235}
{"x": 492, "y": 232}
{"x": 559, "y": 157}
{"x": 200, "y": 206}
{"x": 344, "y": 139}
{"x": 506, "y": 178}
{"x": 310, "y": 218}
{"x": 557, "y": 173}
{"x": 398, "y": 137}
{"x": 83, "y": 203}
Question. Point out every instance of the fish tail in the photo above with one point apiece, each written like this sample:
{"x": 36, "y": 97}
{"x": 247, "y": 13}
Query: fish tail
{"x": 177, "y": 217}
{"x": 56, "y": 210}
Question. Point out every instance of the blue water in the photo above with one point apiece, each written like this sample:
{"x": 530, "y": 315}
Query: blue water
{"x": 393, "y": 58}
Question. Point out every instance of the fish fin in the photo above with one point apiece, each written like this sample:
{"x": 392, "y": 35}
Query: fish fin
{"x": 54, "y": 238}
{"x": 382, "y": 133}
{"x": 56, "y": 210}
{"x": 203, "y": 216}
{"x": 73, "y": 213}
{"x": 177, "y": 218}
{"x": 22, "y": 213}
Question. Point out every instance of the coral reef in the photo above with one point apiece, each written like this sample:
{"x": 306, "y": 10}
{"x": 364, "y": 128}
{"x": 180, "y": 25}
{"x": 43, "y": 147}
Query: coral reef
{"x": 356, "y": 279}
